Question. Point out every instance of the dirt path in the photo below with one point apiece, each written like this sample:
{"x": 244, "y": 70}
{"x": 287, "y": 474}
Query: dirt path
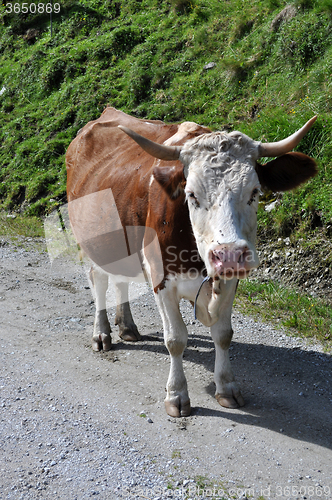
{"x": 76, "y": 424}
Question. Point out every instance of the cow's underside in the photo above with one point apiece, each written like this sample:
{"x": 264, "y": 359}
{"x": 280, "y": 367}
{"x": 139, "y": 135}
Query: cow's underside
{"x": 137, "y": 217}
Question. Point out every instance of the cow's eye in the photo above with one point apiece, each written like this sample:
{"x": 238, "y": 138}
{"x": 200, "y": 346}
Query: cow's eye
{"x": 192, "y": 196}
{"x": 253, "y": 195}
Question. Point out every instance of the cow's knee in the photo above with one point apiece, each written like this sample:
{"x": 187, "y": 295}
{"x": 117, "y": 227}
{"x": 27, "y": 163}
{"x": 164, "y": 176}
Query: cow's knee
{"x": 99, "y": 281}
{"x": 223, "y": 339}
{"x": 175, "y": 346}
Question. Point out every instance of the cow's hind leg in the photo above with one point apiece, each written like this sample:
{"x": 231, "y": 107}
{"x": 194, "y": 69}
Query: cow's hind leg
{"x": 101, "y": 339}
{"x": 177, "y": 402}
{"x": 227, "y": 392}
{"x": 123, "y": 318}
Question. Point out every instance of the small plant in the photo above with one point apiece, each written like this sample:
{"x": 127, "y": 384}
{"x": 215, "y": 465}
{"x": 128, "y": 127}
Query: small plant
{"x": 292, "y": 321}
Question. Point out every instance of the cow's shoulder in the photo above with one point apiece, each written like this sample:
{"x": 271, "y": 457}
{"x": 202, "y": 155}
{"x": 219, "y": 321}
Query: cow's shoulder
{"x": 115, "y": 117}
{"x": 170, "y": 175}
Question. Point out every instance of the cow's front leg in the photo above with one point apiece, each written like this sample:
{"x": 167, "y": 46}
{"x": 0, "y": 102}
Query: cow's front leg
{"x": 101, "y": 339}
{"x": 227, "y": 391}
{"x": 177, "y": 402}
{"x": 123, "y": 318}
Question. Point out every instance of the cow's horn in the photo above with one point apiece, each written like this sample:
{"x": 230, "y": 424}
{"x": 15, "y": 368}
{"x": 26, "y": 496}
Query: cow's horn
{"x": 160, "y": 151}
{"x": 270, "y": 149}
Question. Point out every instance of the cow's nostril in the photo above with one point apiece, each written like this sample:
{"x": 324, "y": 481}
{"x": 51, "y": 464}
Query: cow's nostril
{"x": 218, "y": 255}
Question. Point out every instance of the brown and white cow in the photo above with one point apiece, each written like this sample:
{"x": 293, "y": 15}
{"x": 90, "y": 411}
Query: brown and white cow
{"x": 183, "y": 207}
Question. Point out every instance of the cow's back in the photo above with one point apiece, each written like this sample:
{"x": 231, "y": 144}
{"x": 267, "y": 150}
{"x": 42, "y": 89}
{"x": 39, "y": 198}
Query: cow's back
{"x": 103, "y": 157}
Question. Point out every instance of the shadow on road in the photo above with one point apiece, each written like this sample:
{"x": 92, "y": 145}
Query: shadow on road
{"x": 286, "y": 390}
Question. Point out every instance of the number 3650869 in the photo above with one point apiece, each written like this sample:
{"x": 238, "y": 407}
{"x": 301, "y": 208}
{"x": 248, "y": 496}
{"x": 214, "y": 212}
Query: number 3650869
{"x": 32, "y": 8}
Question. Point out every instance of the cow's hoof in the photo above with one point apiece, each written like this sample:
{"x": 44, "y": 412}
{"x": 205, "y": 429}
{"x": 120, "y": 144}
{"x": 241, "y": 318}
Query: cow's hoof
{"x": 229, "y": 401}
{"x": 101, "y": 342}
{"x": 174, "y": 407}
{"x": 129, "y": 334}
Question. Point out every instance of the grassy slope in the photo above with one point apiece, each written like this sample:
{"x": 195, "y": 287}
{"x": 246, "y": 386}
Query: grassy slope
{"x": 148, "y": 58}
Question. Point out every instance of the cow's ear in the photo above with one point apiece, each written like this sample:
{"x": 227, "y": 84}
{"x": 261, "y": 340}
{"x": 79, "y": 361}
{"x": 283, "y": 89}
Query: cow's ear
{"x": 171, "y": 179}
{"x": 286, "y": 172}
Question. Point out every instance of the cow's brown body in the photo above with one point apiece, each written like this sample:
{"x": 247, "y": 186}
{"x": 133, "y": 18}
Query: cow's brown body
{"x": 102, "y": 157}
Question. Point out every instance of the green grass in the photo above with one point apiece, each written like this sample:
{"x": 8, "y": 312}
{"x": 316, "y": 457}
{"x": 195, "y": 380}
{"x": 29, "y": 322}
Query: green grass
{"x": 147, "y": 58}
{"x": 300, "y": 314}
{"x": 30, "y": 227}
{"x": 176, "y": 454}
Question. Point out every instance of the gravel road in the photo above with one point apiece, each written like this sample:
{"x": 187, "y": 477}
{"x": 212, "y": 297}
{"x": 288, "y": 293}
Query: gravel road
{"x": 77, "y": 424}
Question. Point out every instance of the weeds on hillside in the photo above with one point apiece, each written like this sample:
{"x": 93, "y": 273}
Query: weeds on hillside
{"x": 271, "y": 72}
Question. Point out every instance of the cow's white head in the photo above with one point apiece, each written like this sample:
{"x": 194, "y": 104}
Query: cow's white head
{"x": 222, "y": 190}
{"x": 222, "y": 185}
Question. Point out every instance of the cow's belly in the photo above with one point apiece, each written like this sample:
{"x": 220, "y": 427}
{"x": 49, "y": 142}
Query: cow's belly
{"x": 117, "y": 252}
{"x": 104, "y": 236}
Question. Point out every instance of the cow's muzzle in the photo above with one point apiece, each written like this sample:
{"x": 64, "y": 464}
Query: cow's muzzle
{"x": 231, "y": 261}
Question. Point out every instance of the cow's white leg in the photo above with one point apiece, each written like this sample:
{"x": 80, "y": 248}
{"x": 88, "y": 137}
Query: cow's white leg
{"x": 123, "y": 318}
{"x": 101, "y": 339}
{"x": 177, "y": 402}
{"x": 227, "y": 391}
